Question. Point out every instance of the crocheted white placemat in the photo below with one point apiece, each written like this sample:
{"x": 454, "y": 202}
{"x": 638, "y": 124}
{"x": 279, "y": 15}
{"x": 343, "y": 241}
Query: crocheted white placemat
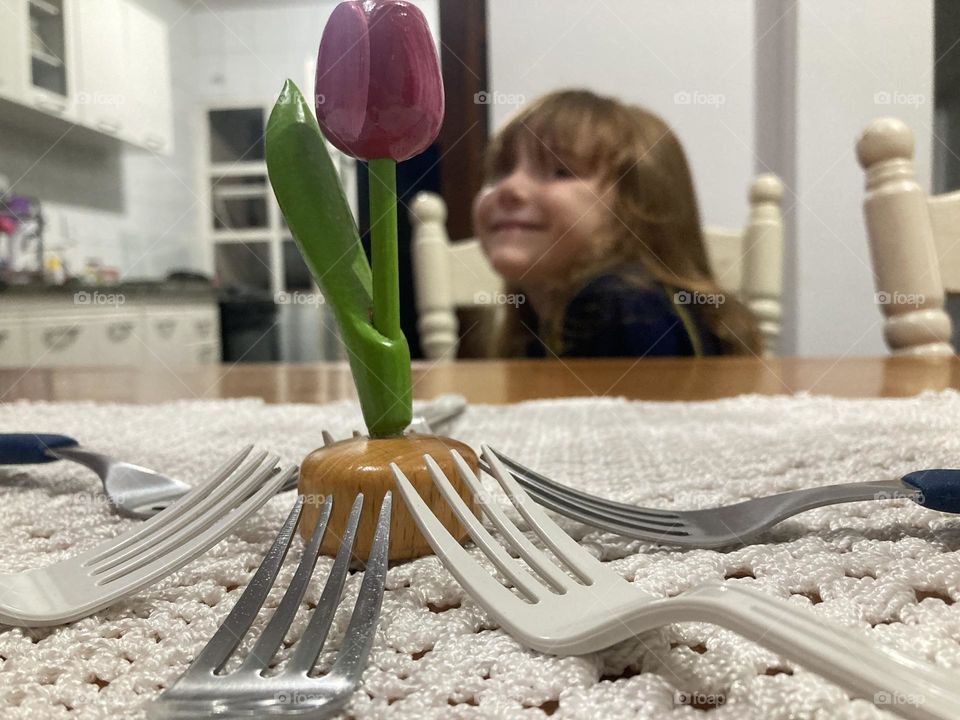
{"x": 890, "y": 570}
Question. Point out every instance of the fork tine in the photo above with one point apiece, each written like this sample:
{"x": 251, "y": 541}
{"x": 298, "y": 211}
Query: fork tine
{"x": 523, "y": 580}
{"x": 126, "y": 580}
{"x": 358, "y": 640}
{"x": 563, "y": 546}
{"x": 271, "y": 637}
{"x": 223, "y": 643}
{"x": 173, "y": 518}
{"x": 531, "y": 478}
{"x": 600, "y": 507}
{"x": 604, "y": 514}
{"x": 468, "y": 572}
{"x": 315, "y": 635}
{"x": 533, "y": 555}
{"x": 597, "y": 509}
{"x": 635, "y": 529}
{"x": 192, "y": 521}
{"x": 158, "y": 521}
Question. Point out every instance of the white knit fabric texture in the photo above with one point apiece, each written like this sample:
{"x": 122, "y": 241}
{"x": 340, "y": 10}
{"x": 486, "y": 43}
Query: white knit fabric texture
{"x": 888, "y": 570}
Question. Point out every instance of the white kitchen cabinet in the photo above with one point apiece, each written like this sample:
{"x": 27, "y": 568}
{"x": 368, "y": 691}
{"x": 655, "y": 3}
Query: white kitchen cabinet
{"x": 148, "y": 112}
{"x": 13, "y": 345}
{"x": 57, "y": 330}
{"x": 14, "y": 51}
{"x": 101, "y": 67}
{"x": 104, "y": 64}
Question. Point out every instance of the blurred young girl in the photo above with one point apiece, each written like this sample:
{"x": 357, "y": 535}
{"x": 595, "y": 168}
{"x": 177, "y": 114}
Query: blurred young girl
{"x": 589, "y": 214}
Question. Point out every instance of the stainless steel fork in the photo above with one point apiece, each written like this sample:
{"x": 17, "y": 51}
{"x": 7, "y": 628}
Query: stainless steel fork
{"x": 731, "y": 524}
{"x": 248, "y": 692}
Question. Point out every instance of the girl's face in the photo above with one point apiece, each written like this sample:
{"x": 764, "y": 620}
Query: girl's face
{"x": 537, "y": 220}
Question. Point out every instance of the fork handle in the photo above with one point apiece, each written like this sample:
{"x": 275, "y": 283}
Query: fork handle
{"x": 31, "y": 448}
{"x": 939, "y": 489}
{"x": 893, "y": 681}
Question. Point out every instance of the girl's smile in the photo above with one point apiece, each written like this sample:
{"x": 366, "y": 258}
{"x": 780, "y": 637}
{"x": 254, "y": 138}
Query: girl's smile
{"x": 538, "y": 219}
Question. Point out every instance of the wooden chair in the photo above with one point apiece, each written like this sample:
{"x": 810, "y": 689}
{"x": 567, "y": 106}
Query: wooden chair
{"x": 914, "y": 242}
{"x": 450, "y": 275}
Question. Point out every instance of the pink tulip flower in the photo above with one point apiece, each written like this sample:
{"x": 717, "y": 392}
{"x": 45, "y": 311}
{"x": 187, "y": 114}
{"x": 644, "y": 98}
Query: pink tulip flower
{"x": 379, "y": 93}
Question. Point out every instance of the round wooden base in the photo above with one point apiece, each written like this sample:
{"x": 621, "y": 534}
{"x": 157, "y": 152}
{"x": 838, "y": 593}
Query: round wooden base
{"x": 362, "y": 465}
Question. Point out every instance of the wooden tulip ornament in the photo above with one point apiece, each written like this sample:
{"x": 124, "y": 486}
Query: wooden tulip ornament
{"x": 379, "y": 97}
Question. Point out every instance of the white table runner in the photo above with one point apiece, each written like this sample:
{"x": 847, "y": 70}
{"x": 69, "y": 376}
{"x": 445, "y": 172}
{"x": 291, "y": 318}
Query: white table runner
{"x": 889, "y": 570}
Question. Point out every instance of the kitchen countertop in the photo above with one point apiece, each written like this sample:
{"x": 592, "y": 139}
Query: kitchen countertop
{"x": 172, "y": 289}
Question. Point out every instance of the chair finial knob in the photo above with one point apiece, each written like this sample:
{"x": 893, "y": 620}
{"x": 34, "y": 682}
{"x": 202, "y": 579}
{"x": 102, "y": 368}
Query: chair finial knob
{"x": 428, "y": 207}
{"x": 885, "y": 139}
{"x": 766, "y": 188}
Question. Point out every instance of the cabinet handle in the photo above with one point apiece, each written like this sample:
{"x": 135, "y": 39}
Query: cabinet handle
{"x": 118, "y": 332}
{"x": 51, "y": 106}
{"x": 165, "y": 328}
{"x": 60, "y": 338}
{"x": 4, "y": 334}
{"x": 108, "y": 127}
{"x": 204, "y": 327}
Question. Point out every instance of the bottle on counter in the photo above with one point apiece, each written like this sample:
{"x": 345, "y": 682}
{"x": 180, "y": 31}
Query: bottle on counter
{"x": 54, "y": 271}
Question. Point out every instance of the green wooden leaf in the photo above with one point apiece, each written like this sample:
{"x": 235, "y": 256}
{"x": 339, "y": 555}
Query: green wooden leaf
{"x": 308, "y": 189}
{"x": 311, "y": 197}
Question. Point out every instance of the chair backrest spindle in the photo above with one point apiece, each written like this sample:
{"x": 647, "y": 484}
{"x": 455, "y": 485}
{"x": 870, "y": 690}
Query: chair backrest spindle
{"x": 908, "y": 260}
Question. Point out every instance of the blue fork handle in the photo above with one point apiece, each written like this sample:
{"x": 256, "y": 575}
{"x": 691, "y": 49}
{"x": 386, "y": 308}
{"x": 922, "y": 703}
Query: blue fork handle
{"x": 30, "y": 448}
{"x": 939, "y": 489}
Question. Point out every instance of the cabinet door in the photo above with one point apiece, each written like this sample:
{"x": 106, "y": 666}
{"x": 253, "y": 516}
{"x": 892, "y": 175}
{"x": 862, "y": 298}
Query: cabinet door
{"x": 64, "y": 342}
{"x": 206, "y": 354}
{"x": 52, "y": 35}
{"x": 101, "y": 75}
{"x": 181, "y": 336}
{"x": 164, "y": 338}
{"x": 120, "y": 339}
{"x": 148, "y": 106}
{"x": 13, "y": 345}
{"x": 203, "y": 335}
{"x": 14, "y": 50}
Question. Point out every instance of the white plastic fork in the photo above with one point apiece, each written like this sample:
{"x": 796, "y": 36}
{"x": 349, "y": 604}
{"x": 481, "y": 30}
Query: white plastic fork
{"x": 95, "y": 579}
{"x": 563, "y": 616}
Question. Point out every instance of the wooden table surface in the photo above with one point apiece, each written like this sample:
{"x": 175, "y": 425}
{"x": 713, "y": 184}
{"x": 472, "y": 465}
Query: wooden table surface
{"x": 501, "y": 381}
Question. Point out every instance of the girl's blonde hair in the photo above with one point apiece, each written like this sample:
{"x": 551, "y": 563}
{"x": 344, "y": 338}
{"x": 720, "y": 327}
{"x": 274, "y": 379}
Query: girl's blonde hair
{"x": 656, "y": 223}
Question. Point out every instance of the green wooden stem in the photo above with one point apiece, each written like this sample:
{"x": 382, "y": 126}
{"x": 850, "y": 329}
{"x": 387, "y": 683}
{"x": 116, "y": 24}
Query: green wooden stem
{"x": 383, "y": 230}
{"x": 311, "y": 196}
